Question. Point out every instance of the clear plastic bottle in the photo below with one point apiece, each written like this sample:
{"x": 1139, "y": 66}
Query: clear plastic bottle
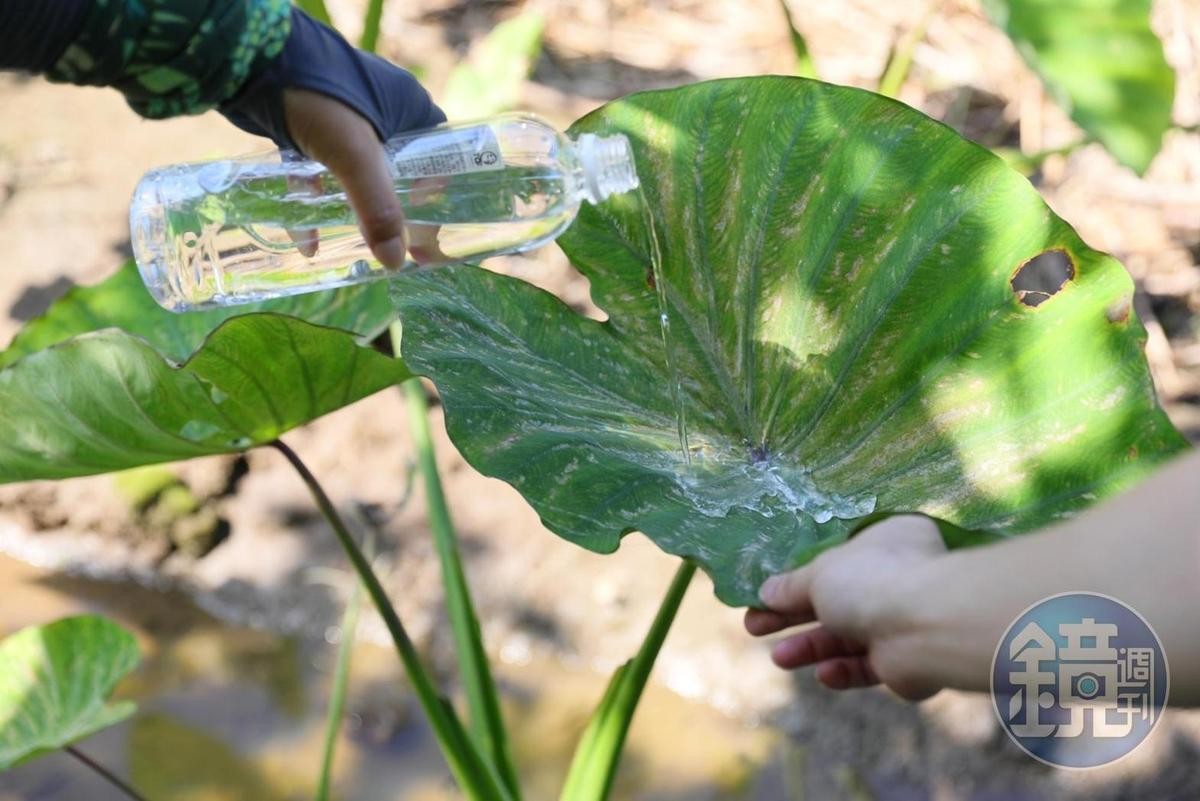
{"x": 225, "y": 232}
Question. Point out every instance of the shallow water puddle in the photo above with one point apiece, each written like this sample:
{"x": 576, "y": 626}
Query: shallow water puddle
{"x": 232, "y": 714}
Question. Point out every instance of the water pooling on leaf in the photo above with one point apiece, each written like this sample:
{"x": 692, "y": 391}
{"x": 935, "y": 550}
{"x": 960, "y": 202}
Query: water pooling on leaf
{"x": 721, "y": 484}
{"x": 837, "y": 273}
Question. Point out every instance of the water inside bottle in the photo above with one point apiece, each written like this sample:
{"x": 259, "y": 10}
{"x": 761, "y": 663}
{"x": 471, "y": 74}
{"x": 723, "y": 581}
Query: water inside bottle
{"x": 229, "y": 232}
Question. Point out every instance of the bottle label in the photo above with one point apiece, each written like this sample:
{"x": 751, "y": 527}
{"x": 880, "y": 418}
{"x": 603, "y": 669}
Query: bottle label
{"x": 456, "y": 152}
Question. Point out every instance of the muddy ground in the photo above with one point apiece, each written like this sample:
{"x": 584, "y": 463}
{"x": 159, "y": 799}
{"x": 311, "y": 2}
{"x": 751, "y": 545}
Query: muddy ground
{"x": 69, "y": 159}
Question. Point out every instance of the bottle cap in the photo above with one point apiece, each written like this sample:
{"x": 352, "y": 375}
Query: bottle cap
{"x": 607, "y": 163}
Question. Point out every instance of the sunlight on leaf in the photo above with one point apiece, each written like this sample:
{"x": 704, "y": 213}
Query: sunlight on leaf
{"x": 848, "y": 340}
{"x": 55, "y": 681}
{"x": 106, "y": 380}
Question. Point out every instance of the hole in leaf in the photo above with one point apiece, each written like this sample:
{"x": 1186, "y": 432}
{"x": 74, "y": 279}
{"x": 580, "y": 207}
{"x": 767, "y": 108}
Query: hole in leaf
{"x": 1041, "y": 278}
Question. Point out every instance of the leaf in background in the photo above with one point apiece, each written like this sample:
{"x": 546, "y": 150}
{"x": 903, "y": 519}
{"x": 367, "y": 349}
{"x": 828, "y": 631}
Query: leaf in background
{"x": 899, "y": 62}
{"x": 316, "y": 9}
{"x": 107, "y": 380}
{"x": 1102, "y": 63}
{"x": 369, "y": 40}
{"x": 491, "y": 78}
{"x": 55, "y": 681}
{"x": 838, "y": 273}
{"x": 598, "y": 754}
{"x": 805, "y": 67}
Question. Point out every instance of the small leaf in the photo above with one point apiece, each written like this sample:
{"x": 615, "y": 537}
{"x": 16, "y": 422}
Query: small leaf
{"x": 55, "y": 681}
{"x": 1102, "y": 63}
{"x": 848, "y": 341}
{"x": 106, "y": 380}
{"x": 805, "y": 66}
{"x": 491, "y": 78}
{"x": 121, "y": 301}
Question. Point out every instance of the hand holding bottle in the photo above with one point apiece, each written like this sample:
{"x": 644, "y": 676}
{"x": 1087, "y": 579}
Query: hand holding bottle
{"x": 340, "y": 138}
{"x": 240, "y": 230}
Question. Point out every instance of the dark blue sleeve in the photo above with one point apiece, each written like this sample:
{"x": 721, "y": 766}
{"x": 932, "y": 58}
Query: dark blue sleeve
{"x": 34, "y": 33}
{"x": 317, "y": 58}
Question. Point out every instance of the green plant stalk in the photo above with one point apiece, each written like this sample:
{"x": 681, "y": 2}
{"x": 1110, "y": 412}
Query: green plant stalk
{"x": 483, "y": 704}
{"x": 337, "y": 697}
{"x": 472, "y": 773}
{"x": 370, "y": 32}
{"x": 900, "y": 60}
{"x": 805, "y": 66}
{"x": 316, "y": 9}
{"x": 104, "y": 773}
{"x": 598, "y": 754}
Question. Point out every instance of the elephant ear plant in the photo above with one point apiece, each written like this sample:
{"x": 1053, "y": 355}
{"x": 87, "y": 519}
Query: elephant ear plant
{"x": 868, "y": 315}
{"x": 856, "y": 324}
{"x": 54, "y": 684}
{"x": 1100, "y": 61}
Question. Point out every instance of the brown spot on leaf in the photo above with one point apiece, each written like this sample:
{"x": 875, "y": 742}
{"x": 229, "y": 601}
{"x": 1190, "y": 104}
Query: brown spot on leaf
{"x": 650, "y": 282}
{"x": 1042, "y": 277}
{"x": 1118, "y": 312}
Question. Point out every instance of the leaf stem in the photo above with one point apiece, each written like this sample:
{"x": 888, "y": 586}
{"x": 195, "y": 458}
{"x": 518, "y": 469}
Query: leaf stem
{"x": 471, "y": 772}
{"x": 483, "y": 705}
{"x": 369, "y": 40}
{"x": 104, "y": 772}
{"x": 341, "y": 680}
{"x": 598, "y": 754}
{"x": 805, "y": 66}
{"x": 901, "y": 58}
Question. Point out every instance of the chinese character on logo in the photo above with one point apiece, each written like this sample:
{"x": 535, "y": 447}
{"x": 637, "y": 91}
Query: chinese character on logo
{"x": 1079, "y": 679}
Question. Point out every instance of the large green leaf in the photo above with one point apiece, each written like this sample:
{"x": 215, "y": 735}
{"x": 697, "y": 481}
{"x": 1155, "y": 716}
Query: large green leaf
{"x": 1102, "y": 63}
{"x": 55, "y": 681}
{"x": 848, "y": 342}
{"x": 107, "y": 380}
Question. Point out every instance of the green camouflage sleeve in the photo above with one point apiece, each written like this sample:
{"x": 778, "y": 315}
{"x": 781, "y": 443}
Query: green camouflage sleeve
{"x": 171, "y": 57}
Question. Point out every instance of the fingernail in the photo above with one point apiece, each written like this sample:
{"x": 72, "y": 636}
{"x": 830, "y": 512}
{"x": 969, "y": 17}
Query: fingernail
{"x": 768, "y": 593}
{"x": 391, "y": 252}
